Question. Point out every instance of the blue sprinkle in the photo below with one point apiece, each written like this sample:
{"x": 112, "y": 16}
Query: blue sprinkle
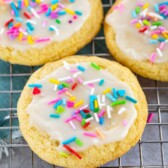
{"x": 35, "y": 85}
{"x": 108, "y": 95}
{"x": 131, "y": 99}
{"x": 69, "y": 141}
{"x": 19, "y": 4}
{"x": 54, "y": 115}
{"x": 92, "y": 98}
{"x": 83, "y": 114}
{"x": 71, "y": 1}
{"x": 48, "y": 12}
{"x": 153, "y": 41}
{"x": 58, "y": 104}
{"x": 115, "y": 93}
{"x": 101, "y": 82}
{"x": 10, "y": 25}
{"x": 156, "y": 8}
{"x": 14, "y": 9}
{"x": 134, "y": 15}
{"x": 101, "y": 120}
{"x": 60, "y": 87}
{"x": 78, "y": 13}
{"x": 64, "y": 102}
{"x": 19, "y": 19}
{"x": 121, "y": 93}
{"x": 54, "y": 2}
{"x": 61, "y": 13}
{"x": 80, "y": 68}
{"x": 163, "y": 3}
{"x": 30, "y": 26}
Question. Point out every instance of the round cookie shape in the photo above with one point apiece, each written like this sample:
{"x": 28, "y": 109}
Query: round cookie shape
{"x": 34, "y": 33}
{"x": 66, "y": 111}
{"x": 136, "y": 35}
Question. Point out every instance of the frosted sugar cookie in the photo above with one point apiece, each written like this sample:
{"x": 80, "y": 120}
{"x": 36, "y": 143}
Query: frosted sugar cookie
{"x": 137, "y": 36}
{"x": 82, "y": 111}
{"x": 34, "y": 32}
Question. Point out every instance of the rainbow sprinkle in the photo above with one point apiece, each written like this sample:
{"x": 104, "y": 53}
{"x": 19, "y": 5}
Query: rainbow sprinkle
{"x": 83, "y": 112}
{"x": 21, "y": 25}
{"x": 151, "y": 24}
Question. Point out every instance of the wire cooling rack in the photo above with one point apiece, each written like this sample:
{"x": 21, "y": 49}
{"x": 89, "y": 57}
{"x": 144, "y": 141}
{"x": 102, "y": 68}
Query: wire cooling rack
{"x": 151, "y": 150}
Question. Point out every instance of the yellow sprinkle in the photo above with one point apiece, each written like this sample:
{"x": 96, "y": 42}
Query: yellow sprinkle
{"x": 20, "y": 36}
{"x": 138, "y": 25}
{"x": 108, "y": 90}
{"x": 26, "y": 2}
{"x": 96, "y": 104}
{"x": 54, "y": 81}
{"x": 78, "y": 103}
{"x": 99, "y": 133}
{"x": 72, "y": 98}
{"x": 69, "y": 11}
{"x": 145, "y": 6}
{"x": 63, "y": 154}
{"x": 29, "y": 39}
{"x": 165, "y": 34}
{"x": 155, "y": 36}
{"x": 53, "y": 7}
{"x": 38, "y": 1}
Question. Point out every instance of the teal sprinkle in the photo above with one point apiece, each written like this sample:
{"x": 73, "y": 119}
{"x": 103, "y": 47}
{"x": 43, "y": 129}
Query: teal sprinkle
{"x": 153, "y": 41}
{"x": 35, "y": 85}
{"x": 134, "y": 15}
{"x": 108, "y": 95}
{"x": 78, "y": 13}
{"x": 115, "y": 93}
{"x": 81, "y": 68}
{"x": 54, "y": 115}
{"x": 131, "y": 99}
{"x": 101, "y": 121}
{"x": 121, "y": 93}
{"x": 83, "y": 114}
{"x": 156, "y": 8}
{"x": 101, "y": 82}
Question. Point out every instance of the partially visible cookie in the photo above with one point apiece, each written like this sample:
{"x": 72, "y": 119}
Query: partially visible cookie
{"x": 137, "y": 36}
{"x": 82, "y": 111}
{"x": 34, "y": 33}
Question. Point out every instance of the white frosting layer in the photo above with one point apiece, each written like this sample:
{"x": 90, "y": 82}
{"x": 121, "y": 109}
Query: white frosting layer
{"x": 114, "y": 128}
{"x": 132, "y": 43}
{"x": 65, "y": 29}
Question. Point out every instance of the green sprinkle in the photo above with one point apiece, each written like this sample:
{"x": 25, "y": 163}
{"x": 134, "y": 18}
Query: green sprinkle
{"x": 64, "y": 84}
{"x": 78, "y": 142}
{"x": 83, "y": 121}
{"x": 137, "y": 10}
{"x": 94, "y": 65}
{"x": 88, "y": 115}
{"x": 57, "y": 21}
{"x": 60, "y": 110}
{"x": 157, "y": 23}
{"x": 96, "y": 110}
{"x": 146, "y": 22}
{"x": 63, "y": 154}
{"x": 119, "y": 102}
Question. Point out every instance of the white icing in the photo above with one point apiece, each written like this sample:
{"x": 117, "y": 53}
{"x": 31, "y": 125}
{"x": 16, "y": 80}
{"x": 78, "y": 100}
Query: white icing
{"x": 132, "y": 43}
{"x": 65, "y": 29}
{"x": 113, "y": 128}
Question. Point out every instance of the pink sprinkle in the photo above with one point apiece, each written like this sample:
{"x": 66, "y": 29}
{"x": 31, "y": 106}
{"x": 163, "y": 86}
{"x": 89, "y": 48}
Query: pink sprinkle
{"x": 162, "y": 45}
{"x": 73, "y": 70}
{"x": 91, "y": 85}
{"x": 124, "y": 122}
{"x": 162, "y": 28}
{"x": 62, "y": 91}
{"x": 119, "y": 7}
{"x": 77, "y": 111}
{"x": 70, "y": 80}
{"x": 78, "y": 118}
{"x": 156, "y": 32}
{"x": 13, "y": 13}
{"x": 150, "y": 117}
{"x": 70, "y": 104}
{"x": 134, "y": 21}
{"x": 153, "y": 57}
{"x": 75, "y": 17}
{"x": 140, "y": 4}
{"x": 89, "y": 134}
{"x": 71, "y": 118}
{"x": 42, "y": 40}
{"x": 54, "y": 101}
{"x": 101, "y": 113}
{"x": 80, "y": 80}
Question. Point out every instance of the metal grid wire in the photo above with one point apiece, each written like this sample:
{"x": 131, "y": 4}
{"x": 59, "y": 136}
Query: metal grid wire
{"x": 151, "y": 150}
